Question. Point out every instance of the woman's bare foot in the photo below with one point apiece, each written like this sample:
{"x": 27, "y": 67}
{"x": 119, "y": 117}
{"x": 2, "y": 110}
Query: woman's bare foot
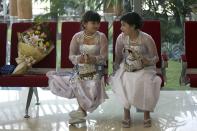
{"x": 126, "y": 122}
{"x": 147, "y": 119}
{"x": 79, "y": 113}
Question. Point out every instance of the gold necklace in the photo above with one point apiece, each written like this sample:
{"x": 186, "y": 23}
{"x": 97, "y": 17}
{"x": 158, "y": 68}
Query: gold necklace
{"x": 89, "y": 36}
{"x": 136, "y": 40}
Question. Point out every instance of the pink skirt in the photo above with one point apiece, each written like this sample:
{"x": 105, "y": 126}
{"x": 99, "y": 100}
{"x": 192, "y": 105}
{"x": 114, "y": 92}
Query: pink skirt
{"x": 140, "y": 89}
{"x": 89, "y": 93}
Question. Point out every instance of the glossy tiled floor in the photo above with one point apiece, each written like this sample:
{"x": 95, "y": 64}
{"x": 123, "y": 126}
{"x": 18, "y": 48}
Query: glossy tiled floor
{"x": 176, "y": 111}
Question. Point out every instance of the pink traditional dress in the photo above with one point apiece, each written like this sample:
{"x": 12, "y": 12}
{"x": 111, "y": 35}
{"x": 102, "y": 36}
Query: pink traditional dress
{"x": 133, "y": 82}
{"x": 86, "y": 83}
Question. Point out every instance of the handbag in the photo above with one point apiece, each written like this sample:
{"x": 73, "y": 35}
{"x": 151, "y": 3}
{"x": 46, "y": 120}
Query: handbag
{"x": 132, "y": 61}
{"x": 7, "y": 69}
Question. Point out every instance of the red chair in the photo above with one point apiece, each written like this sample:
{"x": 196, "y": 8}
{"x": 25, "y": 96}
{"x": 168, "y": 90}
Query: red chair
{"x": 150, "y": 27}
{"x": 104, "y": 28}
{"x": 3, "y": 41}
{"x": 30, "y": 80}
{"x": 68, "y": 30}
{"x": 189, "y": 63}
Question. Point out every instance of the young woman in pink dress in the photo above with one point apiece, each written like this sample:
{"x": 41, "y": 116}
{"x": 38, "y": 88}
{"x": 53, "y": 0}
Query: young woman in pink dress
{"x": 135, "y": 81}
{"x": 88, "y": 50}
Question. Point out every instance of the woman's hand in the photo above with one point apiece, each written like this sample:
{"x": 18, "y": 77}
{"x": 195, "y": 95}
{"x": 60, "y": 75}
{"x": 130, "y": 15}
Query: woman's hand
{"x": 89, "y": 59}
{"x": 82, "y": 59}
{"x": 145, "y": 61}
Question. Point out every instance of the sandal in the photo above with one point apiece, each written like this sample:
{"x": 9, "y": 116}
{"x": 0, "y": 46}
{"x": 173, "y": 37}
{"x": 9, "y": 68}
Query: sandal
{"x": 147, "y": 123}
{"x": 73, "y": 121}
{"x": 77, "y": 114}
{"x": 126, "y": 123}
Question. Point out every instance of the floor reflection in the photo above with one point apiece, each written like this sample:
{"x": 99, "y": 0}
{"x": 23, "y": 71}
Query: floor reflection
{"x": 176, "y": 111}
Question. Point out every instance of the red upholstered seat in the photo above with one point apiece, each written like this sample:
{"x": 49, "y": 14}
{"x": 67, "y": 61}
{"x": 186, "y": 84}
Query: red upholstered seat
{"x": 104, "y": 28}
{"x": 3, "y": 41}
{"x": 153, "y": 29}
{"x": 68, "y": 31}
{"x": 49, "y": 61}
{"x": 24, "y": 81}
{"x": 192, "y": 80}
{"x": 38, "y": 80}
{"x": 191, "y": 50}
{"x": 150, "y": 27}
{"x": 191, "y": 43}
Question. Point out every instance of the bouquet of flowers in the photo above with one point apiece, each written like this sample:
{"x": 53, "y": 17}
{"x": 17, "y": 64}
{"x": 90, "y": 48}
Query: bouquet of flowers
{"x": 34, "y": 45}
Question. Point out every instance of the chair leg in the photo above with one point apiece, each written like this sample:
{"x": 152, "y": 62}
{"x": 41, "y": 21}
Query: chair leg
{"x": 28, "y": 102}
{"x": 163, "y": 70}
{"x": 36, "y": 94}
{"x": 183, "y": 78}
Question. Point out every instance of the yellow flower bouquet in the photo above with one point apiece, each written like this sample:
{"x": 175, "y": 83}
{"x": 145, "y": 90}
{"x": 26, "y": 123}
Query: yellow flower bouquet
{"x": 33, "y": 46}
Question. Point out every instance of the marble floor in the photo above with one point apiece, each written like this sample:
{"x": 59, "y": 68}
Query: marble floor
{"x": 175, "y": 111}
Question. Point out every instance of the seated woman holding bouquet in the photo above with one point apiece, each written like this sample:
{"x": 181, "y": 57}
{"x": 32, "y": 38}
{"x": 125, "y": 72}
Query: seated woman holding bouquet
{"x": 88, "y": 49}
{"x": 135, "y": 81}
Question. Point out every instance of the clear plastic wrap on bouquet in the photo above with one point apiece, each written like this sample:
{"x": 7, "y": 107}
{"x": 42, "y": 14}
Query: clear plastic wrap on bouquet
{"x": 34, "y": 45}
